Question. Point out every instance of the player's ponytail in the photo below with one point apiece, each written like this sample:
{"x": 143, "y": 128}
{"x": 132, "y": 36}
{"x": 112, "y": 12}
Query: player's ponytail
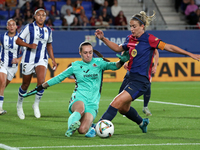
{"x": 142, "y": 18}
{"x": 100, "y": 55}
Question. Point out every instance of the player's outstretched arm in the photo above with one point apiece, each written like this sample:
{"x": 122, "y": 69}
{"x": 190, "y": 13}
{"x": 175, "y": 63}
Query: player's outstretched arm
{"x": 176, "y": 49}
{"x": 100, "y": 35}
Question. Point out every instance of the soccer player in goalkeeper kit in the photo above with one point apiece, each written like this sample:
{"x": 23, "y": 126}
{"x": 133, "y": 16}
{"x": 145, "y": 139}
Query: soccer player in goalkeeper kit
{"x": 84, "y": 102}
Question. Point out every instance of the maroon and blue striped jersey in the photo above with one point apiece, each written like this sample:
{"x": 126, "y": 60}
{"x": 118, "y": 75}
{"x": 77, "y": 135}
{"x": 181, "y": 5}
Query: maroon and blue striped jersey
{"x": 141, "y": 52}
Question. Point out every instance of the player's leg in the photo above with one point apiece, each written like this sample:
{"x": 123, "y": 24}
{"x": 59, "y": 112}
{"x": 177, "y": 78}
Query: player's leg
{"x": 27, "y": 72}
{"x": 40, "y": 71}
{"x": 146, "y": 97}
{"x": 86, "y": 122}
{"x": 125, "y": 82}
{"x": 77, "y": 111}
{"x": 26, "y": 79}
{"x": 3, "y": 79}
{"x": 88, "y": 118}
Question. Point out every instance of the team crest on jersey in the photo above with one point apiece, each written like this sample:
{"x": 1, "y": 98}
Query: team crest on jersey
{"x": 45, "y": 30}
{"x": 94, "y": 65}
{"x": 91, "y": 39}
{"x": 133, "y": 52}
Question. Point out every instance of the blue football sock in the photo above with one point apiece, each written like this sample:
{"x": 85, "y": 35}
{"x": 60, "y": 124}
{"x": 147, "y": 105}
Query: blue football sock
{"x": 109, "y": 114}
{"x": 133, "y": 115}
{"x": 147, "y": 96}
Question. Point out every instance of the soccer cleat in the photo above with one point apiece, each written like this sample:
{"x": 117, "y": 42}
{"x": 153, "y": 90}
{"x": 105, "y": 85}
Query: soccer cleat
{"x": 20, "y": 112}
{"x": 2, "y": 112}
{"x": 143, "y": 127}
{"x": 36, "y": 110}
{"x": 147, "y": 111}
{"x": 73, "y": 127}
{"x": 91, "y": 133}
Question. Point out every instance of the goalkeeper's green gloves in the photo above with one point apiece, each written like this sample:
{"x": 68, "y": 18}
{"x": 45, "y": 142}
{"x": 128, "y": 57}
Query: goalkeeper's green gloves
{"x": 124, "y": 57}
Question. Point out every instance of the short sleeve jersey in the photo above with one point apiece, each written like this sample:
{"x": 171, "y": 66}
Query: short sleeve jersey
{"x": 32, "y": 33}
{"x": 141, "y": 52}
{"x": 9, "y": 49}
{"x": 88, "y": 77}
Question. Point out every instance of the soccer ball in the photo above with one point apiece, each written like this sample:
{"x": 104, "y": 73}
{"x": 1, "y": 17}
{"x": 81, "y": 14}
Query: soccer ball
{"x": 104, "y": 128}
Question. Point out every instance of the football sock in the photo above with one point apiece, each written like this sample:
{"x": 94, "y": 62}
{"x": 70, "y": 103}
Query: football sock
{"x": 147, "y": 96}
{"x": 75, "y": 116}
{"x": 1, "y": 102}
{"x": 133, "y": 115}
{"x": 20, "y": 93}
{"x": 109, "y": 114}
{"x": 38, "y": 96}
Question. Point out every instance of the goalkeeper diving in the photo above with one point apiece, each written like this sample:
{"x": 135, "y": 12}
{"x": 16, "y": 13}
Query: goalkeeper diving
{"x": 88, "y": 73}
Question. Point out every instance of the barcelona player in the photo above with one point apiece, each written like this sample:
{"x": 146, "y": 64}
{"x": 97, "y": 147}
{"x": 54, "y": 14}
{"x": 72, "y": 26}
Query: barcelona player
{"x": 10, "y": 56}
{"x": 147, "y": 95}
{"x": 88, "y": 73}
{"x": 37, "y": 39}
{"x": 141, "y": 47}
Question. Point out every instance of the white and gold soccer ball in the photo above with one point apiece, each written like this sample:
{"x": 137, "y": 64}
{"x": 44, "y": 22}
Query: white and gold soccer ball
{"x": 104, "y": 128}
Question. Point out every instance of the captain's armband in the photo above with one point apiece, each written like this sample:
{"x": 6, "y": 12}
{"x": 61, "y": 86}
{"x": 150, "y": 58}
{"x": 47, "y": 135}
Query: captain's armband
{"x": 161, "y": 45}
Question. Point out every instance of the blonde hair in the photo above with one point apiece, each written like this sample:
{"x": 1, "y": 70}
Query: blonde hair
{"x": 142, "y": 18}
{"x": 11, "y": 19}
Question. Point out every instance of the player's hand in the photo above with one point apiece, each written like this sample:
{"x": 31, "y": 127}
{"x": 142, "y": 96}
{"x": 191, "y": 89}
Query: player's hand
{"x": 195, "y": 56}
{"x": 99, "y": 34}
{"x": 15, "y": 61}
{"x": 33, "y": 46}
{"x": 54, "y": 65}
{"x": 37, "y": 89}
{"x": 154, "y": 68}
{"x": 124, "y": 57}
{"x": 126, "y": 66}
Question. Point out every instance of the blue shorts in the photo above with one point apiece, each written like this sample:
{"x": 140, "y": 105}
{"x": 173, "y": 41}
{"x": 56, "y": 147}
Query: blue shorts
{"x": 137, "y": 86}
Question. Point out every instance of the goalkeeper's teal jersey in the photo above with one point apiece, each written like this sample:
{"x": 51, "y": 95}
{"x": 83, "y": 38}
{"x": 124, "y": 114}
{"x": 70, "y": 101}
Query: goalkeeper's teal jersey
{"x": 88, "y": 78}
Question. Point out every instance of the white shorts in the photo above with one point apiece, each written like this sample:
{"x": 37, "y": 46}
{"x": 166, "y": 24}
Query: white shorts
{"x": 28, "y": 68}
{"x": 10, "y": 71}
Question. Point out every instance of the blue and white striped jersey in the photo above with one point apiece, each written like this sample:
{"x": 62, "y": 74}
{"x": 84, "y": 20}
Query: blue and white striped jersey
{"x": 40, "y": 36}
{"x": 9, "y": 49}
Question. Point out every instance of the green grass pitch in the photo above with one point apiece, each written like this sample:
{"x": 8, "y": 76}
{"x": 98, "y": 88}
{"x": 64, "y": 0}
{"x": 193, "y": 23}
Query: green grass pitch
{"x": 174, "y": 125}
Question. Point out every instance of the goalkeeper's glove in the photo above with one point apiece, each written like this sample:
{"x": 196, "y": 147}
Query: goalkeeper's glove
{"x": 124, "y": 57}
{"x": 39, "y": 88}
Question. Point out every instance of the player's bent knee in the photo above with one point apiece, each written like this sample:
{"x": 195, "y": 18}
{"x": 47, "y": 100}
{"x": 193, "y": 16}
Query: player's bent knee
{"x": 82, "y": 130}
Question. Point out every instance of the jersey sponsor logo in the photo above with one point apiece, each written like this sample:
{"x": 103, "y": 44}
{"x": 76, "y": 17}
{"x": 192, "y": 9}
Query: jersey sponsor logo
{"x": 93, "y": 76}
{"x": 133, "y": 52}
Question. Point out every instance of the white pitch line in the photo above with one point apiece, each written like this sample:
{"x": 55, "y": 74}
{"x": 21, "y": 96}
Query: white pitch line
{"x": 169, "y": 103}
{"x": 120, "y": 145}
{"x": 6, "y": 147}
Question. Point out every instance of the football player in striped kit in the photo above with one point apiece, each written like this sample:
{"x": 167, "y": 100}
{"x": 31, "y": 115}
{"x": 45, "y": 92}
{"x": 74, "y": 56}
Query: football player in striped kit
{"x": 9, "y": 58}
{"x": 37, "y": 39}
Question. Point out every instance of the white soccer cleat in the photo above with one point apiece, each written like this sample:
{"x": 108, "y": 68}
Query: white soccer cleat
{"x": 20, "y": 112}
{"x": 147, "y": 111}
{"x": 36, "y": 111}
{"x": 2, "y": 112}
